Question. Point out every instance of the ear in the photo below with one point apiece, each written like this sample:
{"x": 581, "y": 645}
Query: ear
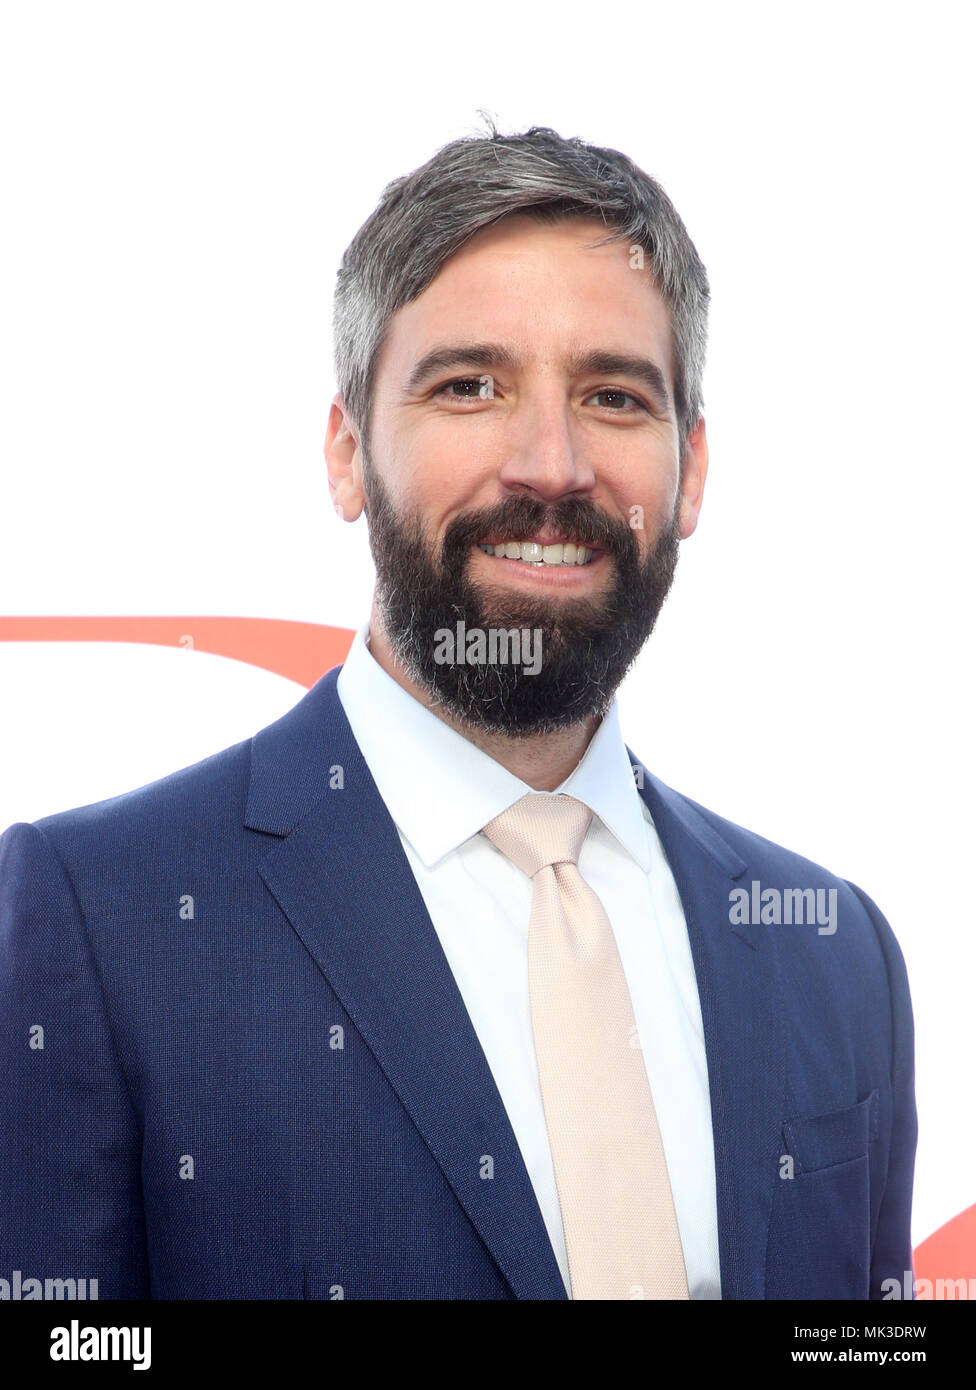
{"x": 344, "y": 460}
{"x": 693, "y": 470}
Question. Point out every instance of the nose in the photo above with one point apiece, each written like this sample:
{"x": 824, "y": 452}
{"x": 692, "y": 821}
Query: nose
{"x": 544, "y": 454}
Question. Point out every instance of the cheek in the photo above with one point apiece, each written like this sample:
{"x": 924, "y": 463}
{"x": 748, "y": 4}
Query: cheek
{"x": 648, "y": 511}
{"x": 431, "y": 449}
{"x": 441, "y": 472}
{"x": 638, "y": 469}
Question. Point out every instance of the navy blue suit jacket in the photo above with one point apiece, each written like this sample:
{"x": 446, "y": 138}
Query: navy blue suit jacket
{"x": 258, "y": 1078}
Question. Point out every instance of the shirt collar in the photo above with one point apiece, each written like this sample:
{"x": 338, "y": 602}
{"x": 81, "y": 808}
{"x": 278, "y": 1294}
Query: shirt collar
{"x": 441, "y": 789}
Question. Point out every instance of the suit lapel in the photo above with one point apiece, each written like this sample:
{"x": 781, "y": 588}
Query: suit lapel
{"x": 744, "y": 1034}
{"x": 340, "y": 875}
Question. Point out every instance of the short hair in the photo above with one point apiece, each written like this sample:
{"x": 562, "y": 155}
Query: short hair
{"x": 422, "y": 218}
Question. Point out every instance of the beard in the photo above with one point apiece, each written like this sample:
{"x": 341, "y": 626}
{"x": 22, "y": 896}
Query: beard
{"x": 587, "y": 645}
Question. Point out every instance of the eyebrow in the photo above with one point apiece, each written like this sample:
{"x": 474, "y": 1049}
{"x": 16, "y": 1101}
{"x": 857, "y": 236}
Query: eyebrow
{"x": 486, "y": 357}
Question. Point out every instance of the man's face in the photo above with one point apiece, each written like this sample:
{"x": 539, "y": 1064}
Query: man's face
{"x": 527, "y": 397}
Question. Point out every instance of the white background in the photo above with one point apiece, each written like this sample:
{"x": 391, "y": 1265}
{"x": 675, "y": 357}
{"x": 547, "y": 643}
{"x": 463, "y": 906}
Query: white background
{"x": 179, "y": 182}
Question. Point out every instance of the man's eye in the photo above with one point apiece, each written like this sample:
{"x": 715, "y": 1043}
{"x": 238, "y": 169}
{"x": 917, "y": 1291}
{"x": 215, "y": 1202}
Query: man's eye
{"x": 469, "y": 388}
{"x": 614, "y": 400}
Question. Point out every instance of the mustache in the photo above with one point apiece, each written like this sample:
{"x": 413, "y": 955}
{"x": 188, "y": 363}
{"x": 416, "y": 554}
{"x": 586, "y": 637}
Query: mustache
{"x": 520, "y": 518}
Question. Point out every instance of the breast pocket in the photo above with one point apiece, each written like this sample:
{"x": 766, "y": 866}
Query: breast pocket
{"x": 820, "y": 1228}
{"x": 822, "y": 1141}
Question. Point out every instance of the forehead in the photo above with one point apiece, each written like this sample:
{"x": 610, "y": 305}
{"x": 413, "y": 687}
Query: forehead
{"x": 542, "y": 288}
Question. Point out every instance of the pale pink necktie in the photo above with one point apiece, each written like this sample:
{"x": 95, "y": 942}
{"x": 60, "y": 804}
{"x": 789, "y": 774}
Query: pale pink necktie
{"x": 618, "y": 1213}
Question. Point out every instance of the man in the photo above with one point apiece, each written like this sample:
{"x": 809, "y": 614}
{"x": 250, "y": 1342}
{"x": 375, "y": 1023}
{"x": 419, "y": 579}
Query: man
{"x": 431, "y": 989}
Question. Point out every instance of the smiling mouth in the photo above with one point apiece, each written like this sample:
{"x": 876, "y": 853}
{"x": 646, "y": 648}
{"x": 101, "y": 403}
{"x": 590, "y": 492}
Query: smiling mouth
{"x": 568, "y": 554}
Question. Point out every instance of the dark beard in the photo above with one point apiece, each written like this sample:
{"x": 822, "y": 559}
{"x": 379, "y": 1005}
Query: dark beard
{"x": 587, "y": 646}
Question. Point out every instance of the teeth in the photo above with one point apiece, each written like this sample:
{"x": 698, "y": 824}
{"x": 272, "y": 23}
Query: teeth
{"x": 532, "y": 553}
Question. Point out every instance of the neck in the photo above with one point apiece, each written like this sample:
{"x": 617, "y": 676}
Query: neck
{"x": 542, "y": 761}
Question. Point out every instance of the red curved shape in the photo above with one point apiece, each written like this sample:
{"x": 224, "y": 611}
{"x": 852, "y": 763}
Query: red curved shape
{"x": 299, "y": 651}
{"x": 948, "y": 1254}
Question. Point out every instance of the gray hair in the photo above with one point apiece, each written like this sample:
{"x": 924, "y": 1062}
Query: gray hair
{"x": 422, "y": 218}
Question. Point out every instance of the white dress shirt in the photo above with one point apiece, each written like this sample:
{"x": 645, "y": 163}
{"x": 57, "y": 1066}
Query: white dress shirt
{"x": 440, "y": 790}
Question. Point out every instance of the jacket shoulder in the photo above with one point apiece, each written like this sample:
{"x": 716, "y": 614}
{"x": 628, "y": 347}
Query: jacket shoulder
{"x": 754, "y": 857}
{"x": 208, "y": 793}
{"x": 755, "y": 849}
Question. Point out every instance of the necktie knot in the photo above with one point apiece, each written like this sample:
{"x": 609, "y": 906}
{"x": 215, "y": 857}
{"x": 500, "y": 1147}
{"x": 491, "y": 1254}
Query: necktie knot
{"x": 539, "y": 830}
